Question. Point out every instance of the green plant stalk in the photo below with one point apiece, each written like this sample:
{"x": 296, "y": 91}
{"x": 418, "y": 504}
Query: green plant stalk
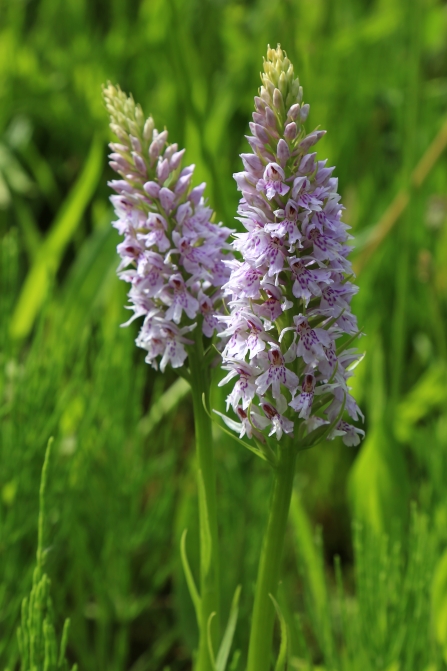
{"x": 261, "y": 634}
{"x": 404, "y": 236}
{"x": 206, "y": 481}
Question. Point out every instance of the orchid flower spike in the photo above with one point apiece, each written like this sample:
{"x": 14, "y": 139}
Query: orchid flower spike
{"x": 172, "y": 254}
{"x": 290, "y": 322}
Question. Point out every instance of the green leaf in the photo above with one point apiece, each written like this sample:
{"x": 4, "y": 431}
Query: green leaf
{"x": 428, "y": 395}
{"x": 91, "y": 278}
{"x": 281, "y": 662}
{"x": 225, "y": 646}
{"x": 63, "y": 645}
{"x": 189, "y": 577}
{"x": 235, "y": 660}
{"x": 439, "y": 603}
{"x": 304, "y": 541}
{"x": 210, "y": 640}
{"x": 164, "y": 405}
{"x": 378, "y": 482}
{"x": 49, "y": 256}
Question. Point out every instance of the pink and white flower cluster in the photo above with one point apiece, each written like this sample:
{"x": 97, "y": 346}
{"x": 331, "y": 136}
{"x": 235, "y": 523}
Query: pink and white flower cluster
{"x": 171, "y": 254}
{"x": 290, "y": 319}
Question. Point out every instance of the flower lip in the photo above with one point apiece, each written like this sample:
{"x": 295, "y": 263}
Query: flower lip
{"x": 273, "y": 172}
{"x": 308, "y": 383}
{"x": 269, "y": 410}
{"x": 241, "y": 412}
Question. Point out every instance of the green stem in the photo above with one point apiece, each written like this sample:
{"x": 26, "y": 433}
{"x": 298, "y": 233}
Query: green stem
{"x": 206, "y": 480}
{"x": 259, "y": 651}
{"x": 414, "y": 25}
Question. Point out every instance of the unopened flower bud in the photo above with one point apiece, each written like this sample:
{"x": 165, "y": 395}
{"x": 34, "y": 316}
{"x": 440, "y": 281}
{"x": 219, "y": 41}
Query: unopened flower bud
{"x": 116, "y": 166}
{"x": 136, "y": 144}
{"x": 294, "y": 112}
{"x": 119, "y": 132}
{"x": 307, "y": 165}
{"x": 139, "y": 163}
{"x": 270, "y": 118}
{"x": 278, "y": 101}
{"x": 259, "y": 132}
{"x": 157, "y": 145}
{"x": 282, "y": 84}
{"x": 152, "y": 188}
{"x": 283, "y": 152}
{"x": 139, "y": 116}
{"x": 311, "y": 139}
{"x": 124, "y": 165}
{"x": 304, "y": 112}
{"x": 133, "y": 127}
{"x": 170, "y": 150}
{"x": 253, "y": 163}
{"x": 322, "y": 173}
{"x": 290, "y": 131}
{"x": 163, "y": 170}
{"x": 176, "y": 159}
{"x": 265, "y": 96}
{"x": 182, "y": 184}
{"x": 148, "y": 129}
{"x": 260, "y": 104}
{"x": 197, "y": 193}
{"x": 167, "y": 198}
{"x": 121, "y": 148}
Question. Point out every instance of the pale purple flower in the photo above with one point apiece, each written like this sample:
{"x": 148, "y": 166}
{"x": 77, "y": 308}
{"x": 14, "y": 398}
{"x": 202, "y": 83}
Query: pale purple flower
{"x": 303, "y": 402}
{"x": 245, "y": 387}
{"x": 209, "y": 313}
{"x": 250, "y": 426}
{"x": 351, "y": 434}
{"x": 157, "y": 226}
{"x": 279, "y": 423}
{"x": 277, "y": 374}
{"x": 174, "y": 256}
{"x": 292, "y": 274}
{"x": 272, "y": 182}
{"x": 179, "y": 299}
{"x": 287, "y": 227}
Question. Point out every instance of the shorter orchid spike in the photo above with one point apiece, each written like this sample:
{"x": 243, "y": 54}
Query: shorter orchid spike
{"x": 172, "y": 254}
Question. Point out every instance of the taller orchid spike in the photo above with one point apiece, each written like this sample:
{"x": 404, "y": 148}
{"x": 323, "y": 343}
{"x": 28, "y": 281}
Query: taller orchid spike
{"x": 291, "y": 321}
{"x": 172, "y": 254}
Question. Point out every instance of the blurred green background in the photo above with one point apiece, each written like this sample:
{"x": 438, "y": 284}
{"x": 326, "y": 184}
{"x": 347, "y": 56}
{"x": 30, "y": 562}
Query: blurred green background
{"x": 121, "y": 483}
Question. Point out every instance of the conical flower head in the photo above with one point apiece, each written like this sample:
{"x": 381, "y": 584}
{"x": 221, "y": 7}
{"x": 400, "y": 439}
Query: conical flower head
{"x": 290, "y": 321}
{"x": 172, "y": 253}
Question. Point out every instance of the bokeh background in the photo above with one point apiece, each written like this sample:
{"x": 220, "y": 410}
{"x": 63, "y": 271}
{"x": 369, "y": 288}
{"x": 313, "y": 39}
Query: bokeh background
{"x": 121, "y": 483}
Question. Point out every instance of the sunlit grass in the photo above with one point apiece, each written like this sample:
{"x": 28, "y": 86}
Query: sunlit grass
{"x": 121, "y": 483}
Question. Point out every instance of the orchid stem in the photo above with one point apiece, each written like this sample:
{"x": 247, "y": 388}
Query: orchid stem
{"x": 261, "y": 635}
{"x": 206, "y": 481}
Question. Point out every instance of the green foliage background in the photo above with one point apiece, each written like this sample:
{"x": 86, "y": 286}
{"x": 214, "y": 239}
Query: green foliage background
{"x": 121, "y": 481}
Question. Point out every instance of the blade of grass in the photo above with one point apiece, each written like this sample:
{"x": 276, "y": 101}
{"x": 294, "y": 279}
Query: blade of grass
{"x": 49, "y": 256}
